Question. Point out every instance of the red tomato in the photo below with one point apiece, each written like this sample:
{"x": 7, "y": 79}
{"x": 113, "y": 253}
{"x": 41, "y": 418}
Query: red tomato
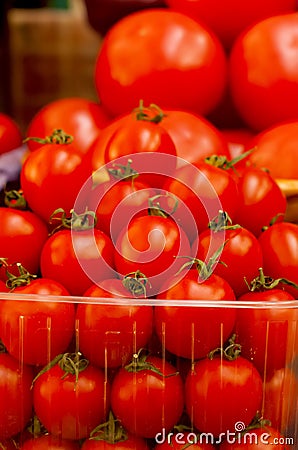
{"x": 22, "y": 237}
{"x": 228, "y": 18}
{"x": 110, "y": 334}
{"x": 258, "y": 439}
{"x": 182, "y": 75}
{"x": 194, "y": 136}
{"x": 10, "y": 134}
{"x": 221, "y": 394}
{"x": 76, "y": 259}
{"x": 204, "y": 190}
{"x": 263, "y": 72}
{"x": 267, "y": 335}
{"x": 117, "y": 202}
{"x": 240, "y": 258}
{"x": 36, "y": 331}
{"x": 144, "y": 401}
{"x": 276, "y": 149}
{"x": 51, "y": 178}
{"x": 238, "y": 140}
{"x": 151, "y": 245}
{"x": 280, "y": 399}
{"x": 279, "y": 244}
{"x": 260, "y": 200}
{"x": 48, "y": 442}
{"x": 131, "y": 443}
{"x": 70, "y": 405}
{"x": 193, "y": 331}
{"x": 79, "y": 117}
{"x": 16, "y": 396}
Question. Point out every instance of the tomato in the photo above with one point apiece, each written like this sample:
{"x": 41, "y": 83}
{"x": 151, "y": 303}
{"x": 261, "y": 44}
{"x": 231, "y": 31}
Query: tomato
{"x": 238, "y": 140}
{"x": 263, "y": 78}
{"x": 193, "y": 331}
{"x": 260, "y": 200}
{"x": 110, "y": 334}
{"x": 71, "y": 397}
{"x": 240, "y": 258}
{"x": 22, "y": 237}
{"x": 117, "y": 202}
{"x": 267, "y": 335}
{"x": 222, "y": 393}
{"x": 51, "y": 178}
{"x": 204, "y": 190}
{"x": 194, "y": 136}
{"x": 258, "y": 439}
{"x": 48, "y": 442}
{"x": 10, "y": 134}
{"x": 279, "y": 244}
{"x": 77, "y": 258}
{"x": 280, "y": 399}
{"x": 16, "y": 396}
{"x": 146, "y": 401}
{"x": 36, "y": 330}
{"x": 183, "y": 75}
{"x": 228, "y": 18}
{"x": 152, "y": 245}
{"x": 276, "y": 150}
{"x": 79, "y": 117}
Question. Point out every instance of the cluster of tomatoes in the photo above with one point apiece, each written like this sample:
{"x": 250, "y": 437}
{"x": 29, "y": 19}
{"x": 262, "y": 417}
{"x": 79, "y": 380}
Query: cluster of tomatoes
{"x": 148, "y": 273}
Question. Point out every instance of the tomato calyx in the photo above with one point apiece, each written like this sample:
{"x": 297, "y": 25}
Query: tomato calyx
{"x": 135, "y": 283}
{"x": 15, "y": 199}
{"x": 265, "y": 282}
{"x": 78, "y": 222}
{"x": 123, "y": 171}
{"x": 139, "y": 363}
{"x": 153, "y": 113}
{"x": 230, "y": 352}
{"x": 222, "y": 162}
{"x": 22, "y": 279}
{"x": 222, "y": 222}
{"x": 70, "y": 363}
{"x": 155, "y": 208}
{"x": 58, "y": 136}
{"x": 110, "y": 431}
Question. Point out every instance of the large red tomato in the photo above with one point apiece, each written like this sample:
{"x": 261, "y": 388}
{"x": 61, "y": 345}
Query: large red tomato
{"x": 81, "y": 118}
{"x": 276, "y": 149}
{"x": 228, "y": 18}
{"x": 162, "y": 57}
{"x": 264, "y": 72}
{"x": 10, "y": 134}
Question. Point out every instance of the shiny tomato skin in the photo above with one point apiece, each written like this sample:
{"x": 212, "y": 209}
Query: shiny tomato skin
{"x": 34, "y": 330}
{"x": 219, "y": 393}
{"x": 52, "y": 177}
{"x": 240, "y": 258}
{"x": 260, "y": 200}
{"x": 228, "y": 18}
{"x": 263, "y": 78}
{"x": 279, "y": 244}
{"x": 71, "y": 408}
{"x": 266, "y": 334}
{"x": 10, "y": 134}
{"x": 194, "y": 136}
{"x": 151, "y": 244}
{"x": 146, "y": 402}
{"x": 22, "y": 237}
{"x": 48, "y": 442}
{"x": 181, "y": 75}
{"x": 16, "y": 396}
{"x": 76, "y": 258}
{"x": 192, "y": 332}
{"x": 80, "y": 118}
{"x": 131, "y": 443}
{"x": 276, "y": 149}
{"x": 110, "y": 334}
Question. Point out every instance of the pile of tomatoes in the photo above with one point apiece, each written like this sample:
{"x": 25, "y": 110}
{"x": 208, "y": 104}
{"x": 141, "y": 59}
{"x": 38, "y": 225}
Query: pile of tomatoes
{"x": 148, "y": 271}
